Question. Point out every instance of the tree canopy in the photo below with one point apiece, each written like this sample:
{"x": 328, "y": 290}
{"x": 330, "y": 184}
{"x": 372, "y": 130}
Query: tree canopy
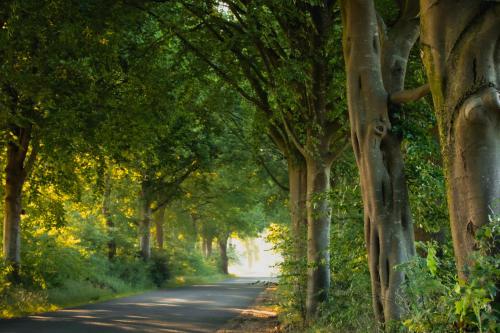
{"x": 362, "y": 137}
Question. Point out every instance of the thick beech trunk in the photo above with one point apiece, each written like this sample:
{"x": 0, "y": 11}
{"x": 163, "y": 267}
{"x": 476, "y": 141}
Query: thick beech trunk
{"x": 461, "y": 44}
{"x": 224, "y": 260}
{"x": 159, "y": 222}
{"x": 318, "y": 234}
{"x": 106, "y": 212}
{"x": 16, "y": 172}
{"x": 376, "y": 65}
{"x": 145, "y": 223}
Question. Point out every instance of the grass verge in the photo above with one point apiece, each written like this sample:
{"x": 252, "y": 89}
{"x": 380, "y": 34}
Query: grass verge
{"x": 19, "y": 302}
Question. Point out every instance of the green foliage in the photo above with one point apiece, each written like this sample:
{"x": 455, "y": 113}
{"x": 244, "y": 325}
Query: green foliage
{"x": 159, "y": 268}
{"x": 16, "y": 300}
{"x": 349, "y": 309}
{"x": 292, "y": 279}
{"x": 149, "y": 101}
{"x": 437, "y": 301}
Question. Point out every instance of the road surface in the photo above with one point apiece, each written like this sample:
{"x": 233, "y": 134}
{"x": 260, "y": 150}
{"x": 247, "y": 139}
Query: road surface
{"x": 199, "y": 308}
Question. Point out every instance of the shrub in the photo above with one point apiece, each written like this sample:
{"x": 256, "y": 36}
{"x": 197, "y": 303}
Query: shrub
{"x": 437, "y": 301}
{"x": 159, "y": 268}
{"x": 17, "y": 300}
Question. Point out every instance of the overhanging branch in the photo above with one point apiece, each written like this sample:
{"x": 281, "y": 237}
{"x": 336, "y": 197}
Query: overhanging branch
{"x": 410, "y": 95}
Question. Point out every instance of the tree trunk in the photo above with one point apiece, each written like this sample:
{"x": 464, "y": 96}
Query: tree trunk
{"x": 376, "y": 68}
{"x": 297, "y": 175}
{"x": 207, "y": 246}
{"x": 297, "y": 179}
{"x": 318, "y": 234}
{"x": 224, "y": 261}
{"x": 16, "y": 172}
{"x": 12, "y": 206}
{"x": 461, "y": 47}
{"x": 145, "y": 223}
{"x": 159, "y": 221}
{"x": 106, "y": 212}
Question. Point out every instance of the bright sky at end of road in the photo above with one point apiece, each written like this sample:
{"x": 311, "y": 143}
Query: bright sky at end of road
{"x": 256, "y": 257}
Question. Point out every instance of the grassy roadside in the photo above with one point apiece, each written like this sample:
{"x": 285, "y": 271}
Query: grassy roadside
{"x": 20, "y": 302}
{"x": 189, "y": 280}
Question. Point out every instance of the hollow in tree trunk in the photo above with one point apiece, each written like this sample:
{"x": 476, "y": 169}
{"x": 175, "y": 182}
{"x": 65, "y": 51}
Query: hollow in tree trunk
{"x": 461, "y": 52}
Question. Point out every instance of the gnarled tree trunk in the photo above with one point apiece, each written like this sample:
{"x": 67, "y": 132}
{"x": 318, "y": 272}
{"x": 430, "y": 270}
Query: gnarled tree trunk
{"x": 376, "y": 65}
{"x": 461, "y": 47}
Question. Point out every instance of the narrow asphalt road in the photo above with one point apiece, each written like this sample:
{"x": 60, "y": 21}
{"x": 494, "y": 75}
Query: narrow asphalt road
{"x": 199, "y": 308}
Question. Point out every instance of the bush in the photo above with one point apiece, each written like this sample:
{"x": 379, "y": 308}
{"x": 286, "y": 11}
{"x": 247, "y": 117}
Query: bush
{"x": 17, "y": 300}
{"x": 437, "y": 301}
{"x": 292, "y": 280}
{"x": 159, "y": 268}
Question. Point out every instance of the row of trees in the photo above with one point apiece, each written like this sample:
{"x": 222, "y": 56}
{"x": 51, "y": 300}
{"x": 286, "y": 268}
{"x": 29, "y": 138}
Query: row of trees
{"x": 285, "y": 59}
{"x": 153, "y": 86}
{"x": 101, "y": 106}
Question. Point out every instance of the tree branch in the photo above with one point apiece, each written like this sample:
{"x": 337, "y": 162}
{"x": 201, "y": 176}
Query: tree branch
{"x": 173, "y": 187}
{"x": 273, "y": 177}
{"x": 30, "y": 161}
{"x": 409, "y": 95}
{"x": 333, "y": 156}
{"x": 201, "y": 55}
{"x": 292, "y": 136}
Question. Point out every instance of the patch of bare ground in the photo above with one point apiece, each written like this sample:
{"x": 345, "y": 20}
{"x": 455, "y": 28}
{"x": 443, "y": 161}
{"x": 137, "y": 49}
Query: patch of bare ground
{"x": 261, "y": 317}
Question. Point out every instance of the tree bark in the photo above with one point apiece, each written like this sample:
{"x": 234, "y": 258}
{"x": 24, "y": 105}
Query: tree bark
{"x": 297, "y": 179}
{"x": 376, "y": 65}
{"x": 297, "y": 175}
{"x": 159, "y": 221}
{"x": 461, "y": 52}
{"x": 207, "y": 246}
{"x": 145, "y": 222}
{"x": 16, "y": 172}
{"x": 318, "y": 234}
{"x": 224, "y": 260}
{"x": 106, "y": 212}
{"x": 192, "y": 237}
